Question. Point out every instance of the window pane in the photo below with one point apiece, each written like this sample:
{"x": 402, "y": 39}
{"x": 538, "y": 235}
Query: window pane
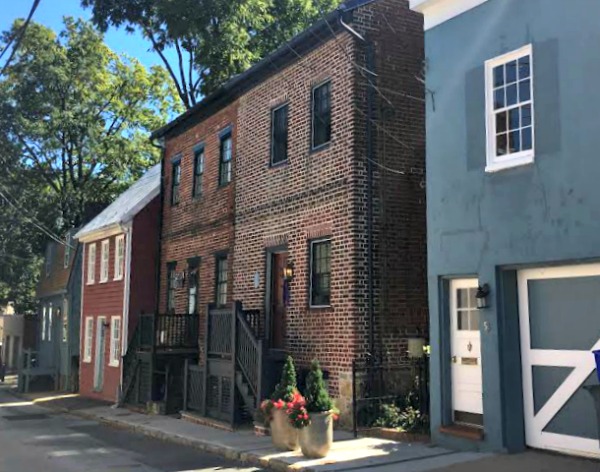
{"x": 474, "y": 320}
{"x": 501, "y": 122}
{"x": 321, "y": 273}
{"x": 280, "y": 135}
{"x": 463, "y": 320}
{"x": 498, "y": 76}
{"x": 499, "y": 98}
{"x": 462, "y": 297}
{"x": 526, "y": 115}
{"x": 501, "y": 144}
{"x": 321, "y": 115}
{"x": 511, "y": 95}
{"x": 513, "y": 118}
{"x": 472, "y": 297}
{"x": 524, "y": 67}
{"x": 511, "y": 72}
{"x": 514, "y": 141}
{"x": 526, "y": 136}
{"x": 525, "y": 91}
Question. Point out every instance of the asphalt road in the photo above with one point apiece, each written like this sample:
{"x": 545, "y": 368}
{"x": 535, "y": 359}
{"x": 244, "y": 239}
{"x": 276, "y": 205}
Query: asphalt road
{"x": 35, "y": 439}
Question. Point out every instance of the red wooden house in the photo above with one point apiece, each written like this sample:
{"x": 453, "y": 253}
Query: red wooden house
{"x": 119, "y": 282}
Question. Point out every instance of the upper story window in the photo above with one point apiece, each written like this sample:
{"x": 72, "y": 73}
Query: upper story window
{"x": 225, "y": 160}
{"x": 91, "y": 265}
{"x": 104, "y": 260}
{"x": 193, "y": 284}
{"x": 68, "y": 242}
{"x": 175, "y": 182}
{"x": 320, "y": 273}
{"x": 171, "y": 266}
{"x": 509, "y": 110}
{"x": 198, "y": 170}
{"x": 119, "y": 256}
{"x": 321, "y": 115}
{"x": 221, "y": 280}
{"x": 279, "y": 135}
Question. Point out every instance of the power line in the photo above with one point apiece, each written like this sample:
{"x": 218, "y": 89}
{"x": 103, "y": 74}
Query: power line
{"x": 19, "y": 38}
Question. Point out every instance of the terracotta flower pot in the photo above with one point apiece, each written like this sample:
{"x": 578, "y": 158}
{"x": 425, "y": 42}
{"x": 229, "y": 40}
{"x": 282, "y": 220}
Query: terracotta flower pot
{"x": 283, "y": 434}
{"x": 316, "y": 439}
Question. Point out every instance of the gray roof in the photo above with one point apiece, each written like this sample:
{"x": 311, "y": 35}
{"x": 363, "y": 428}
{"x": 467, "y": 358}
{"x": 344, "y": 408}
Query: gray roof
{"x": 128, "y": 204}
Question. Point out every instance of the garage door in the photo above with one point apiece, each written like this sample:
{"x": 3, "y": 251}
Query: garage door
{"x": 559, "y": 311}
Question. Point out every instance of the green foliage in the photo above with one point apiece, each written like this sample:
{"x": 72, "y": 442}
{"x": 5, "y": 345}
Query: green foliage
{"x": 212, "y": 40}
{"x": 406, "y": 417}
{"x": 389, "y": 416}
{"x": 316, "y": 395}
{"x": 286, "y": 388}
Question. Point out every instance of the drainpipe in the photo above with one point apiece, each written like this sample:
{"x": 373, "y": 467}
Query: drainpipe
{"x": 127, "y": 231}
{"x": 370, "y": 64}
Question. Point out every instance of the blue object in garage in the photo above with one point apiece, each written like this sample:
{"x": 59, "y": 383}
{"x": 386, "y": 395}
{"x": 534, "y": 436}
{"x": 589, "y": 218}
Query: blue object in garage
{"x": 597, "y": 358}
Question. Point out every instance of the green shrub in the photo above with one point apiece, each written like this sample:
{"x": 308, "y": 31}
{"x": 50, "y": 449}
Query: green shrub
{"x": 316, "y": 395}
{"x": 286, "y": 388}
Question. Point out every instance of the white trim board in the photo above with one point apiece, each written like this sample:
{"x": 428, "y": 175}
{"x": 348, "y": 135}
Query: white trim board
{"x": 436, "y": 12}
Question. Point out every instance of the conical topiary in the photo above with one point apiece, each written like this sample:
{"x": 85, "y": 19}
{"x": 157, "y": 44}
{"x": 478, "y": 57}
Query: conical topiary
{"x": 316, "y": 395}
{"x": 286, "y": 388}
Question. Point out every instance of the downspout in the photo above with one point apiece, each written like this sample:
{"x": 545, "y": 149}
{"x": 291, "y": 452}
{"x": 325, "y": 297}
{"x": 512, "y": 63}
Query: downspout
{"x": 127, "y": 230}
{"x": 370, "y": 65}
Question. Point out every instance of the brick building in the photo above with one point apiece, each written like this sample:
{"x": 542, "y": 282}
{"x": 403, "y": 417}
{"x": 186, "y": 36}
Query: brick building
{"x": 119, "y": 282}
{"x": 323, "y": 222}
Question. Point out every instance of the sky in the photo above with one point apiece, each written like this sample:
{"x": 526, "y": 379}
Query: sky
{"x": 50, "y": 13}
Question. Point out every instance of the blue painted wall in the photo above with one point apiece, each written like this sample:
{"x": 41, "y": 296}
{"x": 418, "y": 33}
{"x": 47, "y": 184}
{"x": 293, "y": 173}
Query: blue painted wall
{"x": 482, "y": 224}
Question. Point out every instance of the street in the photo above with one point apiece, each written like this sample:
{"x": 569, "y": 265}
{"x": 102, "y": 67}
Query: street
{"x": 33, "y": 438}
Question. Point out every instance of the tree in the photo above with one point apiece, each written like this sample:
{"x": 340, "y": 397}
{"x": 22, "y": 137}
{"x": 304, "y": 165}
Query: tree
{"x": 286, "y": 388}
{"x": 212, "y": 40}
{"x": 316, "y": 395}
{"x": 80, "y": 115}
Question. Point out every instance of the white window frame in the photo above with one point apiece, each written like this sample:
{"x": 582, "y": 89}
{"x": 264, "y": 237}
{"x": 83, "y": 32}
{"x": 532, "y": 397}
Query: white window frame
{"x": 493, "y": 162}
{"x": 310, "y": 269}
{"x": 115, "y": 341}
{"x": 49, "y": 334}
{"x": 91, "y": 264}
{"x": 88, "y": 339}
{"x": 44, "y": 321}
{"x": 119, "y": 257}
{"x": 104, "y": 260}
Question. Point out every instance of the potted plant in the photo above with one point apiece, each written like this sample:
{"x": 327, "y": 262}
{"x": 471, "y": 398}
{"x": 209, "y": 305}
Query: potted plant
{"x": 283, "y": 434}
{"x": 316, "y": 433}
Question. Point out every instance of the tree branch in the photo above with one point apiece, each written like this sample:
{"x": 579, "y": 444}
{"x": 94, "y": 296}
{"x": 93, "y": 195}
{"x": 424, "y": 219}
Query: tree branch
{"x": 182, "y": 70}
{"x": 38, "y": 163}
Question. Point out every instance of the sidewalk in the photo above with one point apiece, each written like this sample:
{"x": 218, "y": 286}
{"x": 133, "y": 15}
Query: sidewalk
{"x": 347, "y": 454}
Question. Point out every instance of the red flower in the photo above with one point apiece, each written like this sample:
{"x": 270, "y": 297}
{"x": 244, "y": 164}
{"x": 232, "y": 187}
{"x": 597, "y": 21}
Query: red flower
{"x": 278, "y": 404}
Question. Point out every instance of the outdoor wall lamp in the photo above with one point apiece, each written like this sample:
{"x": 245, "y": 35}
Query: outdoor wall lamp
{"x": 288, "y": 272}
{"x": 482, "y": 294}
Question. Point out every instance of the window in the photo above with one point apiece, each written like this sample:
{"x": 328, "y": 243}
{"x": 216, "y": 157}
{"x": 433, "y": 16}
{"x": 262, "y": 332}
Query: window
{"x": 193, "y": 282}
{"x": 225, "y": 160}
{"x": 466, "y": 310}
{"x": 115, "y": 341}
{"x": 321, "y": 115}
{"x": 279, "y": 135}
{"x": 49, "y": 324}
{"x": 65, "y": 321}
{"x": 509, "y": 109}
{"x": 119, "y": 256}
{"x": 198, "y": 170}
{"x": 88, "y": 337}
{"x": 68, "y": 242}
{"x": 104, "y": 261}
{"x": 44, "y": 322}
{"x": 221, "y": 280}
{"x": 320, "y": 273}
{"x": 48, "y": 265}
{"x": 175, "y": 182}
{"x": 171, "y": 287}
{"x": 91, "y": 267}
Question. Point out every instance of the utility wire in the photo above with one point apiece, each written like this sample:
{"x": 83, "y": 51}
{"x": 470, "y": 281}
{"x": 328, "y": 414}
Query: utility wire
{"x": 17, "y": 40}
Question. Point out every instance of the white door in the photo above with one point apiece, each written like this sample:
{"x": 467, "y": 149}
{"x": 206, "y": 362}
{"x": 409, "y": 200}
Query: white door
{"x": 99, "y": 353}
{"x": 467, "y": 387}
{"x": 559, "y": 312}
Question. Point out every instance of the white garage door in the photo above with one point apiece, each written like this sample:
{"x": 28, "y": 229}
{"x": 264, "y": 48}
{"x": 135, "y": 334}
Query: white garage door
{"x": 559, "y": 311}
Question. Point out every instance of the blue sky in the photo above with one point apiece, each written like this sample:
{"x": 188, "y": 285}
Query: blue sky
{"x": 50, "y": 13}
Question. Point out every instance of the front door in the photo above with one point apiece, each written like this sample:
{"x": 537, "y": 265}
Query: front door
{"x": 467, "y": 388}
{"x": 99, "y": 354}
{"x": 278, "y": 300}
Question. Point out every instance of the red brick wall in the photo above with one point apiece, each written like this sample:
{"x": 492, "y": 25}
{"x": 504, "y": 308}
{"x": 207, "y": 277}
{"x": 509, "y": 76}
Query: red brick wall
{"x": 144, "y": 259}
{"x": 198, "y": 227}
{"x": 100, "y": 299}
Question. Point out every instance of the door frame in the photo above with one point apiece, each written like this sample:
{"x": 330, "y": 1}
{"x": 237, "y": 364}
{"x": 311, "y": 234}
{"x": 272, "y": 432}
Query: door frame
{"x": 269, "y": 252}
{"x": 581, "y": 361}
{"x": 99, "y": 356}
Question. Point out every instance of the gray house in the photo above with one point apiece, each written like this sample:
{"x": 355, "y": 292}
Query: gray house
{"x": 59, "y": 295}
{"x": 513, "y": 133}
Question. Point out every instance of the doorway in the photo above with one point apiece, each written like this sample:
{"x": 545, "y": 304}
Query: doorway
{"x": 277, "y": 298}
{"x": 465, "y": 346}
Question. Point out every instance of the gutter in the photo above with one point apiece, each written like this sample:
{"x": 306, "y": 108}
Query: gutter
{"x": 128, "y": 231}
{"x": 370, "y": 63}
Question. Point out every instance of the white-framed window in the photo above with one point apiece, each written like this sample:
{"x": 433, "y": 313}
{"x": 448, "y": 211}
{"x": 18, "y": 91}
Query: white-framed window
{"x": 88, "y": 336}
{"x": 49, "y": 333}
{"x": 509, "y": 109}
{"x": 115, "y": 340}
{"x": 91, "y": 263}
{"x": 119, "y": 256}
{"x": 104, "y": 261}
{"x": 44, "y": 321}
